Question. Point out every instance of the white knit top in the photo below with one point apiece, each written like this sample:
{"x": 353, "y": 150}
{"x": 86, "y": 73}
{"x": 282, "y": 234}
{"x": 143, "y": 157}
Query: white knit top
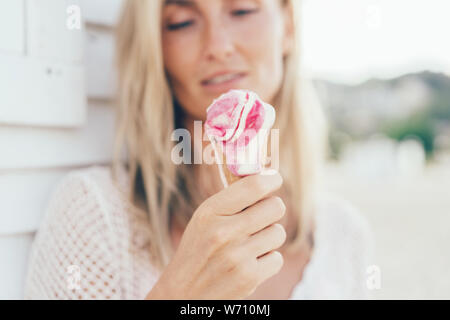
{"x": 94, "y": 244}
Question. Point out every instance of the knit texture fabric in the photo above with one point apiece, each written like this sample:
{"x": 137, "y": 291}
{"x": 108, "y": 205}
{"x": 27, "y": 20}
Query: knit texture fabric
{"x": 94, "y": 244}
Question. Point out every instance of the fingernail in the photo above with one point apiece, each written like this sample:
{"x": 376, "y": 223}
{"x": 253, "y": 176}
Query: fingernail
{"x": 269, "y": 172}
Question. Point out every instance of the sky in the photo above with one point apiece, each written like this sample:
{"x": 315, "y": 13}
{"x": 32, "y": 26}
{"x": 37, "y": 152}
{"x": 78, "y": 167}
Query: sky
{"x": 350, "y": 41}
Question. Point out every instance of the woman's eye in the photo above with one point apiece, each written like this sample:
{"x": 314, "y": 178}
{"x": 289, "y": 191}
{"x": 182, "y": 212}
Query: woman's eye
{"x": 243, "y": 12}
{"x": 181, "y": 25}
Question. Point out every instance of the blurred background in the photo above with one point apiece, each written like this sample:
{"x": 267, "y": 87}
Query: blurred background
{"x": 381, "y": 69}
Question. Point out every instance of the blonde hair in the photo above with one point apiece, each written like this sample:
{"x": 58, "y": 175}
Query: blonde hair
{"x": 146, "y": 115}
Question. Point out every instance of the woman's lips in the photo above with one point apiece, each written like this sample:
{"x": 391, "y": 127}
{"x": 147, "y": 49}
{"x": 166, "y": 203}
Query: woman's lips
{"x": 223, "y": 82}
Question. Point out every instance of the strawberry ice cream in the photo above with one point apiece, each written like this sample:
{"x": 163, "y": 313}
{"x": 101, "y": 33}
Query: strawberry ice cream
{"x": 238, "y": 124}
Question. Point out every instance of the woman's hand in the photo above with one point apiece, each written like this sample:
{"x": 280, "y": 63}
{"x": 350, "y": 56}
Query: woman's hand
{"x": 228, "y": 247}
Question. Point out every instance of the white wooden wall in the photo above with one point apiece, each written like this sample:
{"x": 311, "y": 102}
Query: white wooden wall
{"x": 55, "y": 114}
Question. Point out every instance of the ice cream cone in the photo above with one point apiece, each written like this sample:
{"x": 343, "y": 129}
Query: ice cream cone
{"x": 229, "y": 176}
{"x": 226, "y": 175}
{"x": 237, "y": 125}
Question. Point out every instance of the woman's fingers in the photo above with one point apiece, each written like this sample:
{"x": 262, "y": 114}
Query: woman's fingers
{"x": 242, "y": 194}
{"x": 260, "y": 215}
{"x": 255, "y": 218}
{"x": 266, "y": 240}
{"x": 269, "y": 264}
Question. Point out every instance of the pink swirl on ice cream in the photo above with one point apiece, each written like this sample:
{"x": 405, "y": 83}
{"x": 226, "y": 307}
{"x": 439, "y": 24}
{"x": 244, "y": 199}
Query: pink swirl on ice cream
{"x": 238, "y": 122}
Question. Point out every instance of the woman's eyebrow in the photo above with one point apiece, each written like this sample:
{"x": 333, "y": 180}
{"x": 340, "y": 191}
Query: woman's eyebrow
{"x": 184, "y": 3}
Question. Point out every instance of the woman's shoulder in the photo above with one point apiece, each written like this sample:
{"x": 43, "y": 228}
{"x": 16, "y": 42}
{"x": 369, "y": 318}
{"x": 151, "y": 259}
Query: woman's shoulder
{"x": 339, "y": 219}
{"x": 89, "y": 190}
{"x": 100, "y": 175}
{"x": 84, "y": 227}
{"x": 97, "y": 180}
{"x": 344, "y": 251}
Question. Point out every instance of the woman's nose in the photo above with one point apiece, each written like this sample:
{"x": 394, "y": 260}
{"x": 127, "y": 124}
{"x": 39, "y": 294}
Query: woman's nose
{"x": 219, "y": 42}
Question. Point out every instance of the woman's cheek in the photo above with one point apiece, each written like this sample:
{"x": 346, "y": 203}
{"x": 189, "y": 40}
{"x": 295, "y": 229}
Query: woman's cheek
{"x": 250, "y": 33}
{"x": 179, "y": 57}
{"x": 181, "y": 42}
{"x": 262, "y": 40}
{"x": 257, "y": 30}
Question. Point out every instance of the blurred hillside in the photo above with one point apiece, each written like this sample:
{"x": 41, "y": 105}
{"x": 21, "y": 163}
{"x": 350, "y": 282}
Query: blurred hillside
{"x": 414, "y": 105}
{"x": 383, "y": 132}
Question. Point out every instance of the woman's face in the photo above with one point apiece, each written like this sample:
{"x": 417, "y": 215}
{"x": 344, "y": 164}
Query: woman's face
{"x": 212, "y": 46}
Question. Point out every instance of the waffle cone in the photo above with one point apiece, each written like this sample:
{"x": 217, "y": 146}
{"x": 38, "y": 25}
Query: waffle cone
{"x": 228, "y": 175}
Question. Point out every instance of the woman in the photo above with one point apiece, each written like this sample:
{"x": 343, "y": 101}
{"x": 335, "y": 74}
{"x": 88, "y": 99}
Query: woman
{"x": 152, "y": 229}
